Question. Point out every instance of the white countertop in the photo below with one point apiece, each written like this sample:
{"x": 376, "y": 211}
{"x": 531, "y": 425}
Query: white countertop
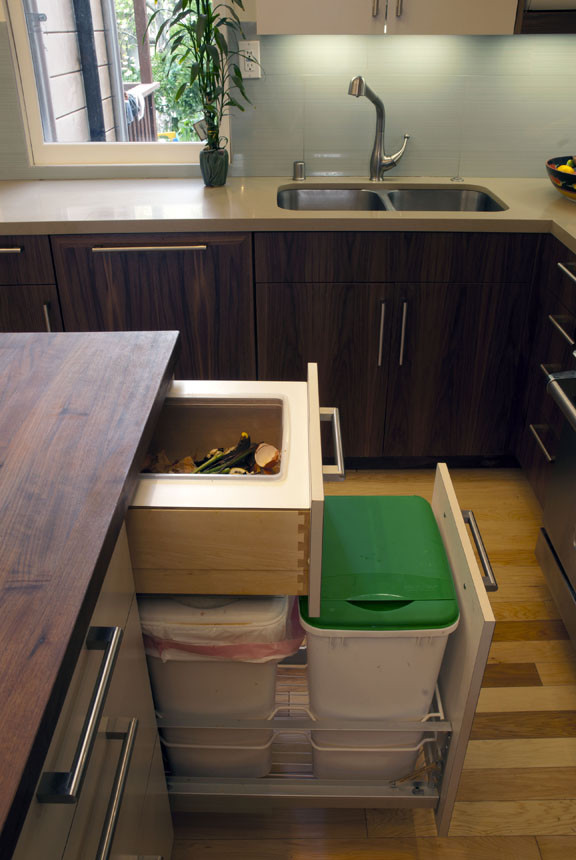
{"x": 245, "y": 204}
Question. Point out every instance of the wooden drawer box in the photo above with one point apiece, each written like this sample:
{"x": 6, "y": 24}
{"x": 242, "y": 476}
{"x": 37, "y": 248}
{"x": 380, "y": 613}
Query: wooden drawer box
{"x": 229, "y": 534}
{"x": 25, "y": 260}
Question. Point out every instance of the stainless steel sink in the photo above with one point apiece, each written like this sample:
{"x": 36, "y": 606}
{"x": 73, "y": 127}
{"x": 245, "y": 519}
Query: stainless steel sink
{"x": 442, "y": 200}
{"x": 333, "y": 199}
{"x": 447, "y": 199}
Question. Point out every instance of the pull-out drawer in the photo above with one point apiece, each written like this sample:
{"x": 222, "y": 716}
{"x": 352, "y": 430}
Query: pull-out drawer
{"x": 459, "y": 684}
{"x": 233, "y": 534}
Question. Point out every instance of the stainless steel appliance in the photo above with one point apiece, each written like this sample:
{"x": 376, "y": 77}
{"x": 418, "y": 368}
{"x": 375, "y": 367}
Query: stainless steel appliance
{"x": 556, "y": 546}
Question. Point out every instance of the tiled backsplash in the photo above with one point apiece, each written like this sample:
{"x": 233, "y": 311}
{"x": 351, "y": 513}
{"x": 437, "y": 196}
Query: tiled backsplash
{"x": 473, "y": 105}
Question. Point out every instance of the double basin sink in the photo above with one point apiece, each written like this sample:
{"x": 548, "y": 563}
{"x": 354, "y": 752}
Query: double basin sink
{"x": 412, "y": 199}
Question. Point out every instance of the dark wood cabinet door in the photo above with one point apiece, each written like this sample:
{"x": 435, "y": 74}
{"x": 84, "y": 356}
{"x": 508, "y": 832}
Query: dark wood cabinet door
{"x": 453, "y": 369}
{"x": 200, "y": 285}
{"x": 345, "y": 328}
{"x": 33, "y": 307}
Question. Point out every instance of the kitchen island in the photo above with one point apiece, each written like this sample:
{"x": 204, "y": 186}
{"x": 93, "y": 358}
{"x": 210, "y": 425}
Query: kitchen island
{"x": 77, "y": 413}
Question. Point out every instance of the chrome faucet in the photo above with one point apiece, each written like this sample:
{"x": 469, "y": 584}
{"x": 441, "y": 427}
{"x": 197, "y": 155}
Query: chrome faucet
{"x": 379, "y": 161}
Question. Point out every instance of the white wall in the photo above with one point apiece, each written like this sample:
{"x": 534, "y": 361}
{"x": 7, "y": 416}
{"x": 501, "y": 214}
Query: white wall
{"x": 474, "y": 105}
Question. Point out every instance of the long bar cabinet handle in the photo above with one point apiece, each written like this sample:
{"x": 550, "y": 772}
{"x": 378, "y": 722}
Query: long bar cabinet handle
{"x": 399, "y": 8}
{"x": 337, "y": 472}
{"x": 540, "y": 443}
{"x": 567, "y": 271}
{"x": 128, "y": 739}
{"x": 123, "y": 249}
{"x": 10, "y": 250}
{"x": 488, "y": 578}
{"x": 403, "y": 333}
{"x": 381, "y": 332}
{"x": 46, "y": 312}
{"x": 375, "y": 8}
{"x": 65, "y": 787}
{"x": 559, "y": 327}
{"x": 562, "y": 398}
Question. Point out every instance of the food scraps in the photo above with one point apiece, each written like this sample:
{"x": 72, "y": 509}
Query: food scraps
{"x": 244, "y": 458}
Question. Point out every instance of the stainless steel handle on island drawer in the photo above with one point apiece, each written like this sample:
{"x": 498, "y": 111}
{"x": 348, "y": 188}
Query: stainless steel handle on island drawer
{"x": 65, "y": 787}
{"x": 567, "y": 271}
{"x": 337, "y": 472}
{"x": 123, "y": 249}
{"x": 488, "y": 578}
{"x": 128, "y": 739}
{"x": 10, "y": 250}
{"x": 555, "y": 320}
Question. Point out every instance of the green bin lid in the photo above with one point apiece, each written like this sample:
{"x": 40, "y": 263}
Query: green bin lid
{"x": 383, "y": 567}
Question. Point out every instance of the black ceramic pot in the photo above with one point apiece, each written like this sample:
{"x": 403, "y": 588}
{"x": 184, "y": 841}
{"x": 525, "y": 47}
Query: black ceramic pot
{"x": 214, "y": 166}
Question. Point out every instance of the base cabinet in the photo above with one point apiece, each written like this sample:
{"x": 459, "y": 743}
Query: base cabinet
{"x": 126, "y": 734}
{"x": 426, "y": 367}
{"x": 551, "y": 350}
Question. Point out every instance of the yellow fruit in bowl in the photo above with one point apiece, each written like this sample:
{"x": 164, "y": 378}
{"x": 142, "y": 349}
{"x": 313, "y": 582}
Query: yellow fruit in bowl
{"x": 564, "y": 168}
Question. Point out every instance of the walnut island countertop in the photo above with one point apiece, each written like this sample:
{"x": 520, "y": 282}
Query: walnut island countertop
{"x": 249, "y": 204}
{"x": 77, "y": 412}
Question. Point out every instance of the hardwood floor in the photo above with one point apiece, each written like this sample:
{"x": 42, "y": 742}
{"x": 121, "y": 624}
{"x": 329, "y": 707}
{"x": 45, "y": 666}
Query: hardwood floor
{"x": 517, "y": 796}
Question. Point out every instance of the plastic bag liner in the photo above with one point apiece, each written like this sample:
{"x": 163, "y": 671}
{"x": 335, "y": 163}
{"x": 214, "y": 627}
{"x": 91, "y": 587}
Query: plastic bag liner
{"x": 198, "y": 627}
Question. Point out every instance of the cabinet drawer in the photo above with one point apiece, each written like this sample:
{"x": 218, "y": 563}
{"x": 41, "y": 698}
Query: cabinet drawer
{"x": 128, "y": 719}
{"x": 47, "y": 826}
{"x": 553, "y": 352}
{"x": 196, "y": 283}
{"x": 558, "y": 272}
{"x": 226, "y": 534}
{"x": 375, "y": 257}
{"x": 25, "y": 260}
{"x": 459, "y": 682}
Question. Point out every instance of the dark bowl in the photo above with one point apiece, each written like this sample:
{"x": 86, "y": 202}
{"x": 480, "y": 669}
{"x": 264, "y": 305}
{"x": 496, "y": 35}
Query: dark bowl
{"x": 563, "y": 182}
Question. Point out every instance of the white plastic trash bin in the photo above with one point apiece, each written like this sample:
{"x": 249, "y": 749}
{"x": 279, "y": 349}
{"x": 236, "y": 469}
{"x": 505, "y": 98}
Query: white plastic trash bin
{"x": 217, "y": 657}
{"x": 388, "y": 607}
{"x": 247, "y": 758}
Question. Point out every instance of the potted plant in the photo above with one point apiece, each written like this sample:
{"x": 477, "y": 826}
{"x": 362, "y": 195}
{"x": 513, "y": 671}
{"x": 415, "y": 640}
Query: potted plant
{"x": 195, "y": 34}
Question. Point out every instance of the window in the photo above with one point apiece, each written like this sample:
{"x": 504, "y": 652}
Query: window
{"x": 95, "y": 87}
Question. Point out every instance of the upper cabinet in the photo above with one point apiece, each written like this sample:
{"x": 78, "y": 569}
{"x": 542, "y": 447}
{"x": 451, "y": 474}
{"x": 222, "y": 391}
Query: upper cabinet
{"x": 395, "y": 17}
{"x": 546, "y": 16}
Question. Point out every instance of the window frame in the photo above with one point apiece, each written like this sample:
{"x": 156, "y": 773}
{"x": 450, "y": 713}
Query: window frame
{"x": 42, "y": 153}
